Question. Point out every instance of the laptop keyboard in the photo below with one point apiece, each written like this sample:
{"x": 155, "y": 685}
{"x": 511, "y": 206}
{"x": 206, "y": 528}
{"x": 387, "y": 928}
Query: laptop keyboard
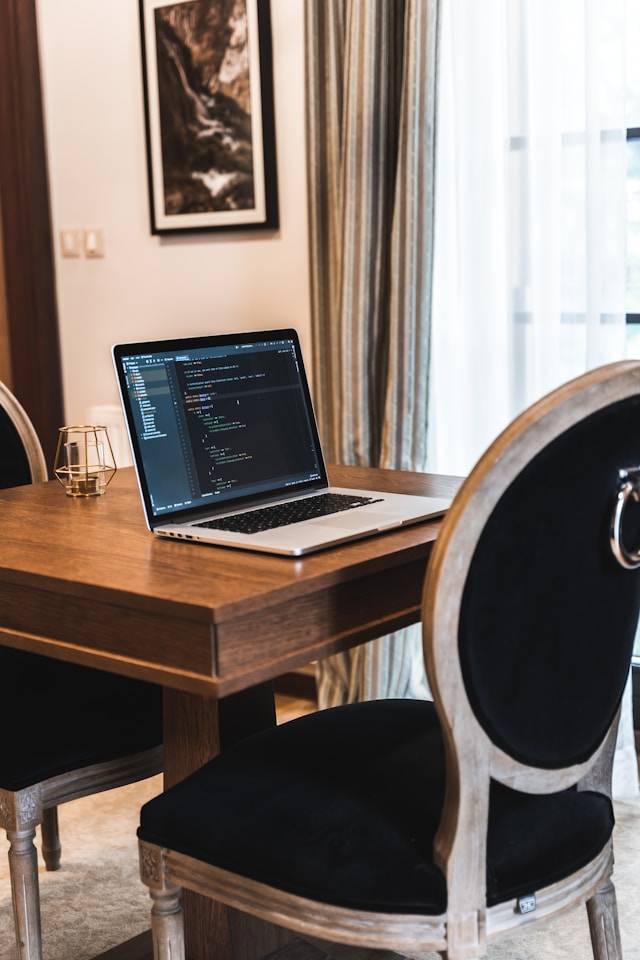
{"x": 284, "y": 514}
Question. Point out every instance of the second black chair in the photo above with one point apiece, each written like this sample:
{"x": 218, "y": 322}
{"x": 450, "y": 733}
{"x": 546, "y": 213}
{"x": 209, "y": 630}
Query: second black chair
{"x": 70, "y": 731}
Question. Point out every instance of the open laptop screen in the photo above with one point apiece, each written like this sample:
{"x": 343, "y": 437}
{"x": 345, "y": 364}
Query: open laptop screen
{"x": 219, "y": 420}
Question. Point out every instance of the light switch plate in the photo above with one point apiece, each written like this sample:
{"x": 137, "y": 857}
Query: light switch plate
{"x": 71, "y": 242}
{"x": 93, "y": 242}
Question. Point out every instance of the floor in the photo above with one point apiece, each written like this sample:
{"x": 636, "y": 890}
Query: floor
{"x": 288, "y": 707}
{"x": 296, "y": 949}
{"x": 296, "y": 693}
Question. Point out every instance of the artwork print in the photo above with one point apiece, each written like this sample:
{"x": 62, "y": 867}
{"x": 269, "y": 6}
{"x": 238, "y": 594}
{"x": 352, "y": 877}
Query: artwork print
{"x": 209, "y": 114}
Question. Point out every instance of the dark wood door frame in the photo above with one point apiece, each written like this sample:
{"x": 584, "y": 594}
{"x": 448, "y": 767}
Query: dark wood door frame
{"x": 26, "y": 226}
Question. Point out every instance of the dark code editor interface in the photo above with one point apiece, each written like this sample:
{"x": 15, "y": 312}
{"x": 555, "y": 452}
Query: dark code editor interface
{"x": 229, "y": 422}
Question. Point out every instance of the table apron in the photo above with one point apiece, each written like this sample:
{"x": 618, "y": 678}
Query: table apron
{"x": 201, "y": 656}
{"x": 153, "y": 646}
{"x": 264, "y": 644}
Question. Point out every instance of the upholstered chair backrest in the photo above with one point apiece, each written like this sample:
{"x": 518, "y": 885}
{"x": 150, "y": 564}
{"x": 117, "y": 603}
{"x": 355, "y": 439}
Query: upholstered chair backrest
{"x": 529, "y": 617}
{"x": 21, "y": 457}
{"x": 548, "y": 615}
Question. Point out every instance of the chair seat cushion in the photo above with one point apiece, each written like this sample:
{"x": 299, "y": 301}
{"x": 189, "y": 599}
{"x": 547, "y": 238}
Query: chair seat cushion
{"x": 342, "y": 806}
{"x": 89, "y": 716}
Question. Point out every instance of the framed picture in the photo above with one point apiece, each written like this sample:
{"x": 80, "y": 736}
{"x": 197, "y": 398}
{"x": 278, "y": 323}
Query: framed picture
{"x": 208, "y": 94}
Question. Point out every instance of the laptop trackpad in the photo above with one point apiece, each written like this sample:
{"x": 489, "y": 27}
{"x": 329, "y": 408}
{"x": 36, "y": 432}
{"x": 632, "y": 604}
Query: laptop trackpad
{"x": 351, "y": 520}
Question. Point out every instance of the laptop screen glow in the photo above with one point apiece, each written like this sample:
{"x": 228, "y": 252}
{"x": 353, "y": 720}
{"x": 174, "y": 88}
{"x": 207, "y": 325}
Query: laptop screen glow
{"x": 219, "y": 423}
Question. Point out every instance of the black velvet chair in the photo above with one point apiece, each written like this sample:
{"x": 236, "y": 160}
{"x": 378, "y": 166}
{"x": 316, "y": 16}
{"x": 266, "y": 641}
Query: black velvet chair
{"x": 69, "y": 731}
{"x": 413, "y": 826}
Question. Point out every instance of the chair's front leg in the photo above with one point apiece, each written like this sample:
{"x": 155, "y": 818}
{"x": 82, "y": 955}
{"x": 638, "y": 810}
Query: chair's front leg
{"x": 167, "y": 926}
{"x": 603, "y": 923}
{"x": 167, "y": 921}
{"x": 23, "y": 867}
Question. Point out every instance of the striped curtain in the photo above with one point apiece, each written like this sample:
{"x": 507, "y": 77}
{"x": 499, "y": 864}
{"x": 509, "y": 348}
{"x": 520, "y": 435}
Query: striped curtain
{"x": 370, "y": 88}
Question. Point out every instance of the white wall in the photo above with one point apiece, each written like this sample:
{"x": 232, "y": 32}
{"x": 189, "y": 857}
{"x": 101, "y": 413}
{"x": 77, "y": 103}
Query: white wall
{"x": 147, "y": 286}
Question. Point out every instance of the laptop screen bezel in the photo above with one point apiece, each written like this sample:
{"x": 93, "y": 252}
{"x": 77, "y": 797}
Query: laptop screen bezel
{"x": 122, "y": 350}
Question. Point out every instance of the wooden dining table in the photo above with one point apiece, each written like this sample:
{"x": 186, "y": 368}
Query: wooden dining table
{"x": 83, "y": 580}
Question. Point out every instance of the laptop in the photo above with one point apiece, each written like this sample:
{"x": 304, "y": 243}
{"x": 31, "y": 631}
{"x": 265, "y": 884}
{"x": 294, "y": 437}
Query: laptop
{"x": 226, "y": 448}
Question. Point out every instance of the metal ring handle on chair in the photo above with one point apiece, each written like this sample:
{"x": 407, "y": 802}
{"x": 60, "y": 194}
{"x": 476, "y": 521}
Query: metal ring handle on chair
{"x": 630, "y": 487}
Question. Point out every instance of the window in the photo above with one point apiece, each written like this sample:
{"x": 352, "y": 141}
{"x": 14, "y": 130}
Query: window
{"x": 633, "y": 267}
{"x": 633, "y": 181}
{"x": 633, "y": 238}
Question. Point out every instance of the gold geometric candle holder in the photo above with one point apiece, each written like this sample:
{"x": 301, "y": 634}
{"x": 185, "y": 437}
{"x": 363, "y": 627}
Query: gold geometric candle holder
{"x": 84, "y": 463}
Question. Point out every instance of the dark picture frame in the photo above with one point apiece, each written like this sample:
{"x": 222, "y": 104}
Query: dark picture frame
{"x": 209, "y": 115}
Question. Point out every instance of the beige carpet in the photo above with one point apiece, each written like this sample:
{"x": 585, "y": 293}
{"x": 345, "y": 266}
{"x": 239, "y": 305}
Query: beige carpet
{"x": 96, "y": 900}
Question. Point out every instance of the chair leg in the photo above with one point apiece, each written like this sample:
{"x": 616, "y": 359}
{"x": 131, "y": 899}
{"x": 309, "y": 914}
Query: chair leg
{"x": 167, "y": 927}
{"x": 602, "y": 910}
{"x": 50, "y": 838}
{"x": 23, "y": 867}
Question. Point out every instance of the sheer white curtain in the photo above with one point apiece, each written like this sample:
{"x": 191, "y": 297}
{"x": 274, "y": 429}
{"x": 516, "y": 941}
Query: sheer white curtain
{"x": 529, "y": 275}
{"x": 530, "y": 219}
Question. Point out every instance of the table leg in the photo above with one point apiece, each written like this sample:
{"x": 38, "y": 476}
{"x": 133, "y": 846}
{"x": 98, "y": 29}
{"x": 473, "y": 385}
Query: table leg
{"x": 196, "y": 728}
